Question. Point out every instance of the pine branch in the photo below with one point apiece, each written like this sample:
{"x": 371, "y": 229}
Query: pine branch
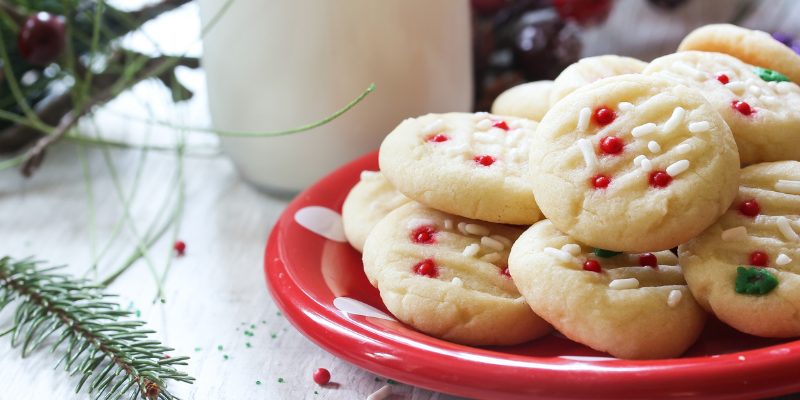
{"x": 112, "y": 355}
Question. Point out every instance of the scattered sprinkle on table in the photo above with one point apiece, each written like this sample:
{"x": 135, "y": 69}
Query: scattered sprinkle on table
{"x": 280, "y": 380}
{"x": 226, "y": 357}
{"x": 258, "y": 382}
{"x": 248, "y": 344}
{"x": 219, "y": 347}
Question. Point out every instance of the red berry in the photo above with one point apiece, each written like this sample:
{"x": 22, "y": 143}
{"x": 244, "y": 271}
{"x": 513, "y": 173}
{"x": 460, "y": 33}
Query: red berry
{"x": 322, "y": 376}
{"x": 750, "y": 208}
{"x": 592, "y": 265}
{"x": 505, "y": 272}
{"x": 660, "y": 179}
{"x": 584, "y": 12}
{"x": 611, "y": 145}
{"x": 648, "y": 260}
{"x": 742, "y": 107}
{"x": 723, "y": 79}
{"x": 424, "y": 235}
{"x": 759, "y": 259}
{"x": 500, "y": 124}
{"x": 426, "y": 267}
{"x": 601, "y": 182}
{"x": 41, "y": 38}
{"x": 604, "y": 115}
{"x": 484, "y": 160}
{"x": 438, "y": 138}
{"x": 180, "y": 247}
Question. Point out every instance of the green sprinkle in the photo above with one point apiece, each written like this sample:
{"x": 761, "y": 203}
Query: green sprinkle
{"x": 226, "y": 357}
{"x": 252, "y": 326}
{"x": 198, "y": 348}
{"x": 274, "y": 335}
{"x": 138, "y": 314}
{"x": 219, "y": 347}
{"x": 754, "y": 280}
{"x": 770, "y": 75}
{"x": 279, "y": 313}
{"x": 163, "y": 301}
{"x": 258, "y": 382}
{"x": 606, "y": 253}
{"x": 248, "y": 333}
{"x": 280, "y": 380}
{"x": 315, "y": 392}
{"x": 391, "y": 381}
{"x": 248, "y": 344}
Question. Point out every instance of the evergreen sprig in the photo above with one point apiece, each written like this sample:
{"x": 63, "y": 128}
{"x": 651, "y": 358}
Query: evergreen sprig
{"x": 112, "y": 354}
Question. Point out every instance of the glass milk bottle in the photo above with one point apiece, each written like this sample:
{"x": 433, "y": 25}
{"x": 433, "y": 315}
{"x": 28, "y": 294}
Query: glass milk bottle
{"x": 277, "y": 64}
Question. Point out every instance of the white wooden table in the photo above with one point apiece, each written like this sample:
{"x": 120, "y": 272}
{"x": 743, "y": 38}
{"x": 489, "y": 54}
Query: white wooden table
{"x": 214, "y": 294}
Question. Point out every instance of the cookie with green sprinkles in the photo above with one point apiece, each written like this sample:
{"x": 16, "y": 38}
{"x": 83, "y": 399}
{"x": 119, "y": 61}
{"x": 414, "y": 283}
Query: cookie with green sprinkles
{"x": 744, "y": 268}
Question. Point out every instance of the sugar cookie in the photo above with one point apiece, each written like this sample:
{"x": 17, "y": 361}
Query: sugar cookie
{"x": 591, "y": 69}
{"x": 529, "y": 100}
{"x": 368, "y": 201}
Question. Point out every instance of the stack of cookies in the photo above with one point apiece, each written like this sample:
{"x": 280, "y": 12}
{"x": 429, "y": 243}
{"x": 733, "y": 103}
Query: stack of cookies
{"x": 561, "y": 208}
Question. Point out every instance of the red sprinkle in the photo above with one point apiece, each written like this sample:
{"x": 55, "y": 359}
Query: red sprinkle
{"x": 592, "y": 265}
{"x": 750, "y": 208}
{"x": 759, "y": 259}
{"x": 648, "y": 260}
{"x": 484, "y": 160}
{"x": 426, "y": 267}
{"x": 660, "y": 179}
{"x": 424, "y": 235}
{"x": 438, "y": 138}
{"x": 742, "y": 107}
{"x": 611, "y": 145}
{"x": 500, "y": 124}
{"x": 601, "y": 182}
{"x": 505, "y": 272}
{"x": 322, "y": 376}
{"x": 723, "y": 79}
{"x": 180, "y": 247}
{"x": 604, "y": 115}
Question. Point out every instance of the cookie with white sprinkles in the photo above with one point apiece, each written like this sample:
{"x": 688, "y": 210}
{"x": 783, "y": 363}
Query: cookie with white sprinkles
{"x": 761, "y": 106}
{"x": 633, "y": 306}
{"x": 745, "y": 268}
{"x": 447, "y": 276}
{"x": 633, "y": 163}
{"x": 368, "y": 201}
{"x": 472, "y": 165}
{"x": 590, "y": 69}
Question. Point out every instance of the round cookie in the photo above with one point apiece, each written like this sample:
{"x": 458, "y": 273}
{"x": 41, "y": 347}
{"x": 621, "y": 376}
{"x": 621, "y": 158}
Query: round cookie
{"x": 447, "y": 276}
{"x": 590, "y": 69}
{"x": 753, "y": 47}
{"x": 633, "y": 306}
{"x": 744, "y": 268}
{"x": 472, "y": 165}
{"x": 762, "y": 111}
{"x": 529, "y": 100}
{"x": 368, "y": 201}
{"x": 633, "y": 163}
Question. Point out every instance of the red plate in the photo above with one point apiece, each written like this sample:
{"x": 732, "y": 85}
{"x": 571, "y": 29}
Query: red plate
{"x": 306, "y": 272}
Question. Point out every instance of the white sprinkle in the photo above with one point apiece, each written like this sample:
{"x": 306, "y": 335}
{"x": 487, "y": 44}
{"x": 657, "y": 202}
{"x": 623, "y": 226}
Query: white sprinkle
{"x": 678, "y": 167}
{"x": 381, "y": 394}
{"x": 561, "y": 255}
{"x": 782, "y": 259}
{"x": 737, "y": 233}
{"x": 434, "y": 127}
{"x": 492, "y": 244}
{"x": 621, "y": 284}
{"x": 369, "y": 175}
{"x": 653, "y": 146}
{"x": 645, "y": 129}
{"x": 646, "y": 164}
{"x": 625, "y": 106}
{"x": 457, "y": 281}
{"x": 448, "y": 224}
{"x": 790, "y": 187}
{"x": 572, "y": 248}
{"x": 459, "y": 149}
{"x": 484, "y": 137}
{"x": 583, "y": 118}
{"x": 769, "y": 100}
{"x": 515, "y": 124}
{"x": 674, "y": 298}
{"x": 484, "y": 124}
{"x": 785, "y": 87}
{"x": 689, "y": 70}
{"x": 786, "y": 229}
{"x": 491, "y": 258}
{"x": 755, "y": 90}
{"x": 638, "y": 160}
{"x": 502, "y": 239}
{"x": 417, "y": 222}
{"x": 741, "y": 358}
{"x": 462, "y": 227}
{"x": 677, "y": 117}
{"x": 700, "y": 126}
{"x": 735, "y": 86}
{"x": 471, "y": 250}
{"x": 478, "y": 230}
{"x": 683, "y": 148}
{"x": 588, "y": 153}
{"x": 519, "y": 300}
{"x": 481, "y": 114}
